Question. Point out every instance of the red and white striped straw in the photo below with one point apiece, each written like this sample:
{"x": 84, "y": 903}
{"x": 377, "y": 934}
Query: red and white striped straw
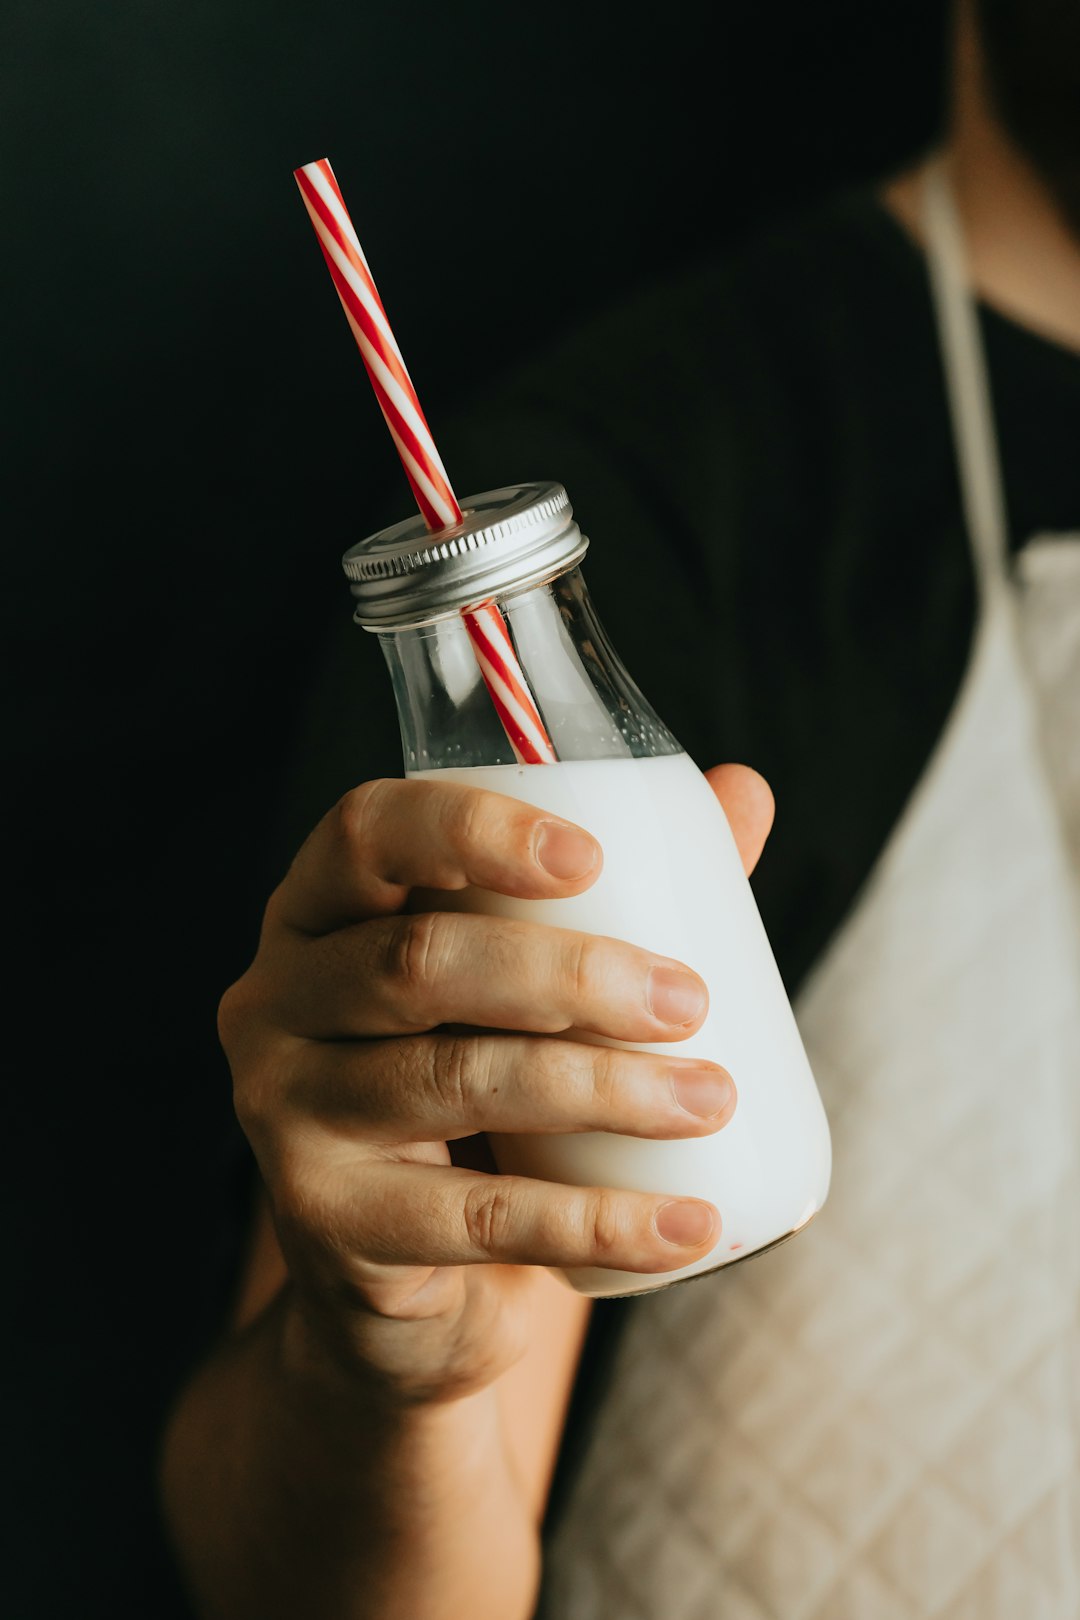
{"x": 506, "y": 686}
{"x": 499, "y": 666}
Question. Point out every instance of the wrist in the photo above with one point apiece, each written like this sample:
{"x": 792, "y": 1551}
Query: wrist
{"x": 316, "y": 1359}
{"x": 452, "y": 1443}
{"x": 292, "y": 1488}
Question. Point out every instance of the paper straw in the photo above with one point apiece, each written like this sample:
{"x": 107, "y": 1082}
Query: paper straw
{"x": 439, "y": 508}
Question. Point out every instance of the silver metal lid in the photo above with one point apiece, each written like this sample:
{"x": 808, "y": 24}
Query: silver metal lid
{"x": 508, "y": 540}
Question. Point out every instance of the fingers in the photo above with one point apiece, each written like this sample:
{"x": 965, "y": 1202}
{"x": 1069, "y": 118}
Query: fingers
{"x": 442, "y": 1087}
{"x": 404, "y": 975}
{"x": 390, "y": 1214}
{"x": 748, "y": 803}
{"x": 388, "y": 837}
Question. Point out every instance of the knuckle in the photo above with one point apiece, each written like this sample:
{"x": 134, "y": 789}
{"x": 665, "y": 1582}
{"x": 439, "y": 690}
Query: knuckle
{"x": 242, "y": 1008}
{"x": 415, "y": 949}
{"x": 488, "y": 1213}
{"x": 275, "y": 912}
{"x": 256, "y": 1094}
{"x": 293, "y": 1204}
{"x": 230, "y": 1014}
{"x": 458, "y": 1073}
{"x": 607, "y": 1075}
{"x": 467, "y": 818}
{"x": 583, "y": 955}
{"x": 605, "y": 1224}
{"x": 305, "y": 1209}
{"x": 357, "y": 811}
{"x": 237, "y": 1018}
{"x": 261, "y": 1059}
{"x": 248, "y": 1101}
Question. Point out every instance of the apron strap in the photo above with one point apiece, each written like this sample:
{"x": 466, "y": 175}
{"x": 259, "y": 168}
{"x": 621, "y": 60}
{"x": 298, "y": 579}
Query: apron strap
{"x": 967, "y": 385}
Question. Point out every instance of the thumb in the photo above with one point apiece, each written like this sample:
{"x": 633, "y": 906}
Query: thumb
{"x": 748, "y": 804}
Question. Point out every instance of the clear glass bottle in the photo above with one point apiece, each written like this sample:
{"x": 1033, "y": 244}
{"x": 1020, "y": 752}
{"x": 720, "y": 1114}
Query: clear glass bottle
{"x": 672, "y": 879}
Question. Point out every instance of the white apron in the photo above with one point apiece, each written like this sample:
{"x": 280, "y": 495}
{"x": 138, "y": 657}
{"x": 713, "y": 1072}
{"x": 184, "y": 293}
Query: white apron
{"x": 879, "y": 1421}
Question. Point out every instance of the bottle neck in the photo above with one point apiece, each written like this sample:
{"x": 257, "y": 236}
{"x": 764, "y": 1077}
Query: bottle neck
{"x": 590, "y": 707}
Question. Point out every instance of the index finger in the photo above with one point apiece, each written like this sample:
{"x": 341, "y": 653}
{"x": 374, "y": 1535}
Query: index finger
{"x": 388, "y": 837}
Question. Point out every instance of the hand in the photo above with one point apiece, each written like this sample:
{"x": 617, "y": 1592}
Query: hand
{"x": 407, "y": 1268}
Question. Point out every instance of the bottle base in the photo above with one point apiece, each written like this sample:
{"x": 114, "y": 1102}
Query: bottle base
{"x": 725, "y": 1265}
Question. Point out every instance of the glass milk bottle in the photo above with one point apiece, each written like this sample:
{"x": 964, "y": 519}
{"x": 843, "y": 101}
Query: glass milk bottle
{"x": 672, "y": 880}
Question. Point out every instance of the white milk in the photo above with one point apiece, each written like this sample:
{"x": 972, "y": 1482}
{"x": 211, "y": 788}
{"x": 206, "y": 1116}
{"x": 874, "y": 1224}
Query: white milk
{"x": 673, "y": 883}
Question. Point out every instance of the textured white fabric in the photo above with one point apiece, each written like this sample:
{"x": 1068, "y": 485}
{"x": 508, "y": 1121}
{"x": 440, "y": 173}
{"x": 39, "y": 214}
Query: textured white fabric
{"x": 1049, "y": 574}
{"x": 879, "y": 1421}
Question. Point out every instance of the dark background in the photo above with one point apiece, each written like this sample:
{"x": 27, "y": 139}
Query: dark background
{"x": 190, "y": 444}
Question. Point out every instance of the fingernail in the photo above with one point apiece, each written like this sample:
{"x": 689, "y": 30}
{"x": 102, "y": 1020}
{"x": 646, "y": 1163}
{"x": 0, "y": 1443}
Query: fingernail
{"x": 565, "y": 852}
{"x": 675, "y": 997}
{"x": 704, "y": 1092}
{"x": 685, "y": 1224}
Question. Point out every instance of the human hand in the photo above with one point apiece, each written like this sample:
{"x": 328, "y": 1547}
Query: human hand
{"x": 409, "y": 1270}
